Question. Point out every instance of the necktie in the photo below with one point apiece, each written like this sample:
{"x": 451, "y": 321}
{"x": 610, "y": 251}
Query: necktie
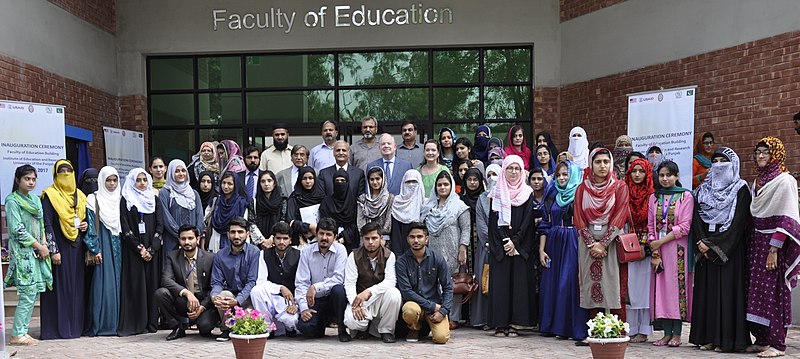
{"x": 388, "y": 172}
{"x": 249, "y": 185}
{"x": 191, "y": 274}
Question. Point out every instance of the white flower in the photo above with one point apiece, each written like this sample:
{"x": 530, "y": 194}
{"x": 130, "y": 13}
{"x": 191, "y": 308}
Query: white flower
{"x": 591, "y": 324}
{"x": 626, "y": 327}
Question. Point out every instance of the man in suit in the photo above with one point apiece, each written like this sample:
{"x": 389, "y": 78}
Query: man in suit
{"x": 248, "y": 180}
{"x": 288, "y": 177}
{"x": 274, "y": 293}
{"x": 186, "y": 283}
{"x": 341, "y": 153}
{"x": 394, "y": 167}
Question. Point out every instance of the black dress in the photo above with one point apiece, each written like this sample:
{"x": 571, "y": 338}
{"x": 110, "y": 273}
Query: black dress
{"x": 399, "y": 237}
{"x": 512, "y": 287}
{"x": 719, "y": 307}
{"x": 140, "y": 279}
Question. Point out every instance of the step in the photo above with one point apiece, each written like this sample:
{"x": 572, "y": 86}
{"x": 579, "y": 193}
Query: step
{"x": 11, "y": 307}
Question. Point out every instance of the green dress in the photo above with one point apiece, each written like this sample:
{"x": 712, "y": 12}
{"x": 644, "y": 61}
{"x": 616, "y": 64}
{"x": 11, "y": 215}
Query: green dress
{"x": 25, "y": 270}
{"x": 429, "y": 181}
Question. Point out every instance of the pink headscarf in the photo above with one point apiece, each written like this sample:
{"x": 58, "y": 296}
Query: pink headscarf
{"x": 505, "y": 194}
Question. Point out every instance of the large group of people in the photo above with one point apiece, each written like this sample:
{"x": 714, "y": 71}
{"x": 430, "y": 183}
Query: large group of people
{"x": 368, "y": 237}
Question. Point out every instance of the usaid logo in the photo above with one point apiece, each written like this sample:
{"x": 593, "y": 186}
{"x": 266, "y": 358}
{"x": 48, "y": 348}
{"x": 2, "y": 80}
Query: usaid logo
{"x": 660, "y": 97}
{"x": 30, "y": 108}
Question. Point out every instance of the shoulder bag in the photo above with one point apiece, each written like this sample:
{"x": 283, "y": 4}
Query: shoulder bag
{"x": 628, "y": 247}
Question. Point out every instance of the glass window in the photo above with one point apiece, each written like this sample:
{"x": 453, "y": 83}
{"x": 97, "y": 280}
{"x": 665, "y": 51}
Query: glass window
{"x": 171, "y": 74}
{"x": 168, "y": 110}
{"x": 173, "y": 144}
{"x": 455, "y": 66}
{"x": 507, "y": 102}
{"x": 220, "y": 108}
{"x": 290, "y": 70}
{"x": 290, "y": 106}
{"x": 383, "y": 68}
{"x": 507, "y": 65}
{"x": 219, "y": 72}
{"x": 219, "y": 134}
{"x": 384, "y": 104}
{"x": 456, "y": 103}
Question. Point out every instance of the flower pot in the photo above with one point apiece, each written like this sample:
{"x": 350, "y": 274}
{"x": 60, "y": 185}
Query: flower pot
{"x": 608, "y": 348}
{"x": 249, "y": 346}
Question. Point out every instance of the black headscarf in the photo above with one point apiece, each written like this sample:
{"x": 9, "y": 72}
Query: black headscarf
{"x": 469, "y": 196}
{"x": 550, "y": 144}
{"x": 268, "y": 208}
{"x": 88, "y": 182}
{"x": 341, "y": 206}
{"x": 307, "y": 197}
{"x": 206, "y": 197}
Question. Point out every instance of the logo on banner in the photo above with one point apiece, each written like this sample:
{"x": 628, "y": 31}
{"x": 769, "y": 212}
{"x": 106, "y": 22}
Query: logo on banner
{"x": 123, "y": 133}
{"x": 678, "y": 94}
{"x": 30, "y": 108}
{"x": 689, "y": 92}
{"x": 59, "y": 110}
{"x": 2, "y": 105}
{"x": 660, "y": 97}
{"x": 632, "y": 100}
{"x": 49, "y": 110}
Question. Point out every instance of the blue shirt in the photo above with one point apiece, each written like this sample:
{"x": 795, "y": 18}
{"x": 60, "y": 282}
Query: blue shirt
{"x": 420, "y": 282}
{"x": 323, "y": 271}
{"x": 236, "y": 272}
{"x": 321, "y": 156}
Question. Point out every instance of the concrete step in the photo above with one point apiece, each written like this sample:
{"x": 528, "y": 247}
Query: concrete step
{"x": 11, "y": 299}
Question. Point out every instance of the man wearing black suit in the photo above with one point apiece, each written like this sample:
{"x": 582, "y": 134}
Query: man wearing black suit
{"x": 394, "y": 167}
{"x": 186, "y": 284}
{"x": 248, "y": 180}
{"x": 274, "y": 292}
{"x": 341, "y": 153}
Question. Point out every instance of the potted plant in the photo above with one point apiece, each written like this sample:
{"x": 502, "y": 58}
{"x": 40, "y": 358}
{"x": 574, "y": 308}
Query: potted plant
{"x": 249, "y": 331}
{"x": 608, "y": 336}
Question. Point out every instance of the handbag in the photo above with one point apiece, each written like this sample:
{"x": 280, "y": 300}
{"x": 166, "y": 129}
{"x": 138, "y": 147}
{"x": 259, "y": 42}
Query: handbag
{"x": 464, "y": 284}
{"x": 485, "y": 279}
{"x": 628, "y": 247}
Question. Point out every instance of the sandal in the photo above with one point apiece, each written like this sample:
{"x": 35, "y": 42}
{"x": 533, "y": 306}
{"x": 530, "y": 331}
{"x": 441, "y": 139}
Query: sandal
{"x": 771, "y": 352}
{"x": 640, "y": 338}
{"x": 23, "y": 340}
{"x": 662, "y": 342}
{"x": 708, "y": 346}
{"x": 500, "y": 332}
{"x": 674, "y": 343}
{"x": 512, "y": 333}
{"x": 756, "y": 348}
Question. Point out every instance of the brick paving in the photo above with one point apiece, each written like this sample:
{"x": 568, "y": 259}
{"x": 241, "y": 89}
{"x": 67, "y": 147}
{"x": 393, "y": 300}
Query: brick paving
{"x": 464, "y": 343}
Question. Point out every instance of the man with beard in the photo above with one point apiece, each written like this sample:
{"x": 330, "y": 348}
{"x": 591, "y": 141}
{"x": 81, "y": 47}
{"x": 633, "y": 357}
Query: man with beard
{"x": 288, "y": 177}
{"x": 394, "y": 167}
{"x": 277, "y": 157}
{"x": 249, "y": 179}
{"x": 357, "y": 181}
{"x": 235, "y": 272}
{"x": 424, "y": 282}
{"x": 370, "y": 286}
{"x": 365, "y": 150}
{"x": 410, "y": 150}
{"x": 321, "y": 155}
{"x": 274, "y": 293}
{"x": 319, "y": 290}
{"x": 186, "y": 283}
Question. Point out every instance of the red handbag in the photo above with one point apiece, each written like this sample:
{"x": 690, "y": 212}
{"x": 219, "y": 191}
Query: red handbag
{"x": 628, "y": 247}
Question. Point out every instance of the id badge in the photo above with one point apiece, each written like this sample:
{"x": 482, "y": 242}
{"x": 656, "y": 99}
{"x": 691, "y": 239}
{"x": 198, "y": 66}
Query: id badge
{"x": 76, "y": 222}
{"x": 712, "y": 227}
{"x": 598, "y": 227}
{"x": 142, "y": 228}
{"x": 662, "y": 234}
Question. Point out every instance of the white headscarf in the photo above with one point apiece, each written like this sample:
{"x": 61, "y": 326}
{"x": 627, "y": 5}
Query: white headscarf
{"x": 579, "y": 147}
{"x": 145, "y": 201}
{"x": 407, "y": 206}
{"x": 108, "y": 201}
{"x": 489, "y": 181}
{"x": 182, "y": 193}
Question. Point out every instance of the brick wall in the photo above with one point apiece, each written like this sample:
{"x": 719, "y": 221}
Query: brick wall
{"x": 100, "y": 13}
{"x": 86, "y": 107}
{"x": 743, "y": 93}
{"x": 546, "y": 111}
{"x": 571, "y": 9}
{"x": 133, "y": 115}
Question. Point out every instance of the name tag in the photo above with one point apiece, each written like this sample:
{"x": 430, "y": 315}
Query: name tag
{"x": 142, "y": 228}
{"x": 76, "y": 222}
{"x": 662, "y": 234}
{"x": 598, "y": 227}
{"x": 712, "y": 227}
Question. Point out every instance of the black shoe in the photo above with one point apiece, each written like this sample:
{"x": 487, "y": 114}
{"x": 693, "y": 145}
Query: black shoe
{"x": 225, "y": 336}
{"x": 291, "y": 333}
{"x": 344, "y": 337}
{"x": 581, "y": 343}
{"x": 387, "y": 338}
{"x": 176, "y": 333}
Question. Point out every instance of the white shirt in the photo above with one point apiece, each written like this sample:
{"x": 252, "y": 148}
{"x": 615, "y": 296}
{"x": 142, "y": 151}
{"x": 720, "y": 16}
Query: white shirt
{"x": 351, "y": 276}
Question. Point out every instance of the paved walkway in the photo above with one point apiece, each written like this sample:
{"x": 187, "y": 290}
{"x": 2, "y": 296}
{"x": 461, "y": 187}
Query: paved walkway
{"x": 464, "y": 343}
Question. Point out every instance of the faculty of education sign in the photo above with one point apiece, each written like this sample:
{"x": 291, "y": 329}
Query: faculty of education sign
{"x": 339, "y": 16}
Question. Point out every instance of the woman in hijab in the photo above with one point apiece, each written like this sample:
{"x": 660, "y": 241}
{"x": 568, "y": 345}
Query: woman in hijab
{"x": 447, "y": 219}
{"x": 142, "y": 227}
{"x": 446, "y": 140}
{"x": 230, "y": 203}
{"x": 181, "y": 205}
{"x": 601, "y": 210}
{"x": 29, "y": 269}
{"x": 202, "y": 161}
{"x": 479, "y": 304}
{"x": 655, "y": 157}
{"x": 561, "y": 313}
{"x": 158, "y": 170}
{"x": 633, "y": 156}
{"x": 517, "y": 145}
{"x": 307, "y": 192}
{"x": 538, "y": 180}
{"x": 88, "y": 181}
{"x": 720, "y": 230}
{"x": 544, "y": 138}
{"x": 406, "y": 208}
{"x": 471, "y": 190}
{"x": 670, "y": 219}
{"x": 208, "y": 198}
{"x": 496, "y": 142}
{"x": 269, "y": 206}
{"x": 103, "y": 241}
{"x": 701, "y": 162}
{"x": 64, "y": 208}
{"x": 375, "y": 204}
{"x": 543, "y": 159}
{"x": 622, "y": 147}
{"x": 481, "y": 149}
{"x": 512, "y": 296}
{"x": 231, "y": 160}
{"x": 640, "y": 186}
{"x": 464, "y": 154}
{"x": 579, "y": 147}
{"x": 496, "y": 156}
{"x": 341, "y": 206}
{"x": 772, "y": 249}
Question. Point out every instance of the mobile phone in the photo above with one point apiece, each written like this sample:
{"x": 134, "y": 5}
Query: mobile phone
{"x": 547, "y": 263}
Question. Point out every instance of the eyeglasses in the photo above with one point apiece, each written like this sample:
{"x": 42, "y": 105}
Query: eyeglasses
{"x": 757, "y": 153}
{"x": 708, "y": 143}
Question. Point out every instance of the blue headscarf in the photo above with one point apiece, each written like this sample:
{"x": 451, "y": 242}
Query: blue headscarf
{"x": 566, "y": 194}
{"x": 551, "y": 166}
{"x": 481, "y": 147}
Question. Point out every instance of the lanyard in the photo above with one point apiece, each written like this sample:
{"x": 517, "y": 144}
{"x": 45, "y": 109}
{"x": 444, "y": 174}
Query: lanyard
{"x": 189, "y": 273}
{"x": 665, "y": 208}
{"x": 141, "y": 217}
